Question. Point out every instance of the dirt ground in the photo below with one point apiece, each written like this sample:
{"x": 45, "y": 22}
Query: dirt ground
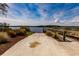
{"x": 12, "y": 41}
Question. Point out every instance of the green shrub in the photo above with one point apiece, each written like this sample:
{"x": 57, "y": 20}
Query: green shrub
{"x": 29, "y": 33}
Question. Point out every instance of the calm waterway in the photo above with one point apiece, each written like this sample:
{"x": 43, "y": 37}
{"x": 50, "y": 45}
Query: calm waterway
{"x": 36, "y": 29}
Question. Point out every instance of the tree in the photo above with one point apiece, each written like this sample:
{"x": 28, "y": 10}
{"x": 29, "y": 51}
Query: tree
{"x": 3, "y": 8}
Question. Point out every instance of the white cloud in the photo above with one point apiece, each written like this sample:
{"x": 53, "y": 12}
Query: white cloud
{"x": 75, "y": 19}
{"x": 44, "y": 20}
{"x": 23, "y": 22}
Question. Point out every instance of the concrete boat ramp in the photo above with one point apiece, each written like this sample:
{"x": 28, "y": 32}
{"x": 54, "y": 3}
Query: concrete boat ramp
{"x": 39, "y": 44}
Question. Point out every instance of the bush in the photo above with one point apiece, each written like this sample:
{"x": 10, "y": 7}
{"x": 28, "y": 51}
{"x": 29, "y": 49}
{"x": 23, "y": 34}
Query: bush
{"x": 11, "y": 33}
{"x": 2, "y": 41}
{"x": 53, "y": 35}
{"x": 49, "y": 34}
{"x": 3, "y": 37}
{"x": 56, "y": 36}
{"x": 21, "y": 32}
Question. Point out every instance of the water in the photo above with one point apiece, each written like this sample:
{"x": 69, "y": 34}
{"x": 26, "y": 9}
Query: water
{"x": 33, "y": 29}
{"x": 36, "y": 29}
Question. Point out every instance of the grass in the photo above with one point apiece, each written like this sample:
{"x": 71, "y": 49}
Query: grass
{"x": 29, "y": 33}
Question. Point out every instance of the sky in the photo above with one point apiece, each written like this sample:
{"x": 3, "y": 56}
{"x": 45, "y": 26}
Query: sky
{"x": 65, "y": 14}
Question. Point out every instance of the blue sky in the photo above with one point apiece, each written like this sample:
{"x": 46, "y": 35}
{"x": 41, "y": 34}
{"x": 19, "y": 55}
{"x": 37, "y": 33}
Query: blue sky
{"x": 43, "y": 13}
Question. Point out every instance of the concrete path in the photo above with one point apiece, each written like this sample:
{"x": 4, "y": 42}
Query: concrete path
{"x": 48, "y": 46}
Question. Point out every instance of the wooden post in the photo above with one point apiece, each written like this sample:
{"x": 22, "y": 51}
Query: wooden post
{"x": 55, "y": 34}
{"x": 64, "y": 36}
